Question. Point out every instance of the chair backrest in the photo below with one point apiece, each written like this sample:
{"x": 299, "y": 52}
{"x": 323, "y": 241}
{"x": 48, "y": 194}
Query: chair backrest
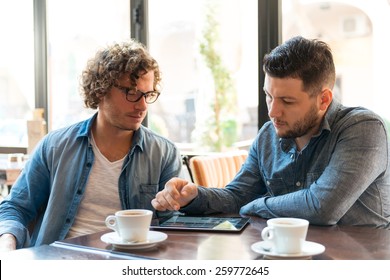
{"x": 216, "y": 170}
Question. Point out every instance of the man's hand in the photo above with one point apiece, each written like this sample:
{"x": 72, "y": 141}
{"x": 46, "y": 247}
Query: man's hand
{"x": 176, "y": 194}
{"x": 7, "y": 242}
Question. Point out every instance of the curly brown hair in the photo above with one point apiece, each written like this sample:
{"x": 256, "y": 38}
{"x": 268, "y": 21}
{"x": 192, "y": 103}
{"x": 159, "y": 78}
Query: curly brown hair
{"x": 110, "y": 63}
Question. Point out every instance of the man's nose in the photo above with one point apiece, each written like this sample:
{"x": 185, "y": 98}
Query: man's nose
{"x": 141, "y": 104}
{"x": 274, "y": 109}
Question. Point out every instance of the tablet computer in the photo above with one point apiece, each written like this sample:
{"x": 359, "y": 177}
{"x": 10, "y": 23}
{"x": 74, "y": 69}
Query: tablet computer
{"x": 202, "y": 223}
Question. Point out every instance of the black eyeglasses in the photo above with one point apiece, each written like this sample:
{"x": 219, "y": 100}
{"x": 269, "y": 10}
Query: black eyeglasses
{"x": 134, "y": 95}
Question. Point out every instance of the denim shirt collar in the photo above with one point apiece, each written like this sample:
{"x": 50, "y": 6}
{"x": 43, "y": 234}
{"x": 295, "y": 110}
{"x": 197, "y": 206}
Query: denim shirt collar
{"x": 138, "y": 137}
{"x": 85, "y": 127}
{"x": 329, "y": 118}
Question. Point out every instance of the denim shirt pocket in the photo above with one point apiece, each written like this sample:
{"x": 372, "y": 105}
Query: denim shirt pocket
{"x": 276, "y": 186}
{"x": 147, "y": 194}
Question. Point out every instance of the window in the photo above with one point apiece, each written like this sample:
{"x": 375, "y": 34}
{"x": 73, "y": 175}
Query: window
{"x": 357, "y": 33}
{"x": 203, "y": 107}
{"x": 16, "y": 71}
{"x": 75, "y": 30}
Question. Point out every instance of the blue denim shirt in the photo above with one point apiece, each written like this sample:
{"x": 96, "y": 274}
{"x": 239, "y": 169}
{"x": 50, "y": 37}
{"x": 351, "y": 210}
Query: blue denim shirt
{"x": 53, "y": 181}
{"x": 341, "y": 176}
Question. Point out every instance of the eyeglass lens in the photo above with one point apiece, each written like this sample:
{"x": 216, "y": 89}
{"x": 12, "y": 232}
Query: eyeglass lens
{"x": 134, "y": 96}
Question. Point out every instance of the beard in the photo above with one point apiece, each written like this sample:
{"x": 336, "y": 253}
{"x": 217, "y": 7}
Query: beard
{"x": 302, "y": 126}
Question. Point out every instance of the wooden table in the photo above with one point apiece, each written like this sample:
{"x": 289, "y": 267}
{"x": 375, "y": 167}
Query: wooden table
{"x": 341, "y": 242}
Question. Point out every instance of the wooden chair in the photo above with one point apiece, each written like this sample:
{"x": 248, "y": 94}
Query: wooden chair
{"x": 216, "y": 170}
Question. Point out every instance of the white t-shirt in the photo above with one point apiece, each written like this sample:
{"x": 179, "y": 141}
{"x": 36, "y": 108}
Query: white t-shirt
{"x": 101, "y": 196}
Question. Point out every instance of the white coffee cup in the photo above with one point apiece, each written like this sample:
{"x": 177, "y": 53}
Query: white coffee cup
{"x": 287, "y": 235}
{"x": 131, "y": 225}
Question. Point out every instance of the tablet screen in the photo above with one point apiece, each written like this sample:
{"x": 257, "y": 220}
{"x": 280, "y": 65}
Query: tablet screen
{"x": 205, "y": 223}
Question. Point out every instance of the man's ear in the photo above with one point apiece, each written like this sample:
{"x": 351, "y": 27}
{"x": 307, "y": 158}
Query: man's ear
{"x": 326, "y": 98}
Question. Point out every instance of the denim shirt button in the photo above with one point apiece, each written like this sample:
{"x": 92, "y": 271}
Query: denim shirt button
{"x": 268, "y": 183}
{"x": 298, "y": 184}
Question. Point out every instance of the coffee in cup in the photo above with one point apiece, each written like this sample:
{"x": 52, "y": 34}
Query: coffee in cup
{"x": 287, "y": 235}
{"x": 131, "y": 225}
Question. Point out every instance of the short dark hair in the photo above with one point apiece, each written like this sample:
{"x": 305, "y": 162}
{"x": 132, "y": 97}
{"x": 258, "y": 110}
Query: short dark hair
{"x": 110, "y": 63}
{"x": 308, "y": 60}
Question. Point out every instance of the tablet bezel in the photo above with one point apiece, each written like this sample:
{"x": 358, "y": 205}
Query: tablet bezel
{"x": 159, "y": 223}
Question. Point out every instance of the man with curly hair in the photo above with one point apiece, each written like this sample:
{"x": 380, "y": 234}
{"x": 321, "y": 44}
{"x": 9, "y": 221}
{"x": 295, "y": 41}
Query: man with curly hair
{"x": 80, "y": 174}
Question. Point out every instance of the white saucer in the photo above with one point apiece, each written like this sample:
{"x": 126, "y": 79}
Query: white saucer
{"x": 154, "y": 237}
{"x": 309, "y": 249}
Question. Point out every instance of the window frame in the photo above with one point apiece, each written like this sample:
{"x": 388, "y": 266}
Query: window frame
{"x": 269, "y": 36}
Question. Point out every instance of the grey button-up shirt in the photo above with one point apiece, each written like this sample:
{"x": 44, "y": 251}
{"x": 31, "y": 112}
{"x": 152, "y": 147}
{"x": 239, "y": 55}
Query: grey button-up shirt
{"x": 341, "y": 176}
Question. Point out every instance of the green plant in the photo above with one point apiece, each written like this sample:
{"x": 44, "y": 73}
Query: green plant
{"x": 221, "y": 128}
